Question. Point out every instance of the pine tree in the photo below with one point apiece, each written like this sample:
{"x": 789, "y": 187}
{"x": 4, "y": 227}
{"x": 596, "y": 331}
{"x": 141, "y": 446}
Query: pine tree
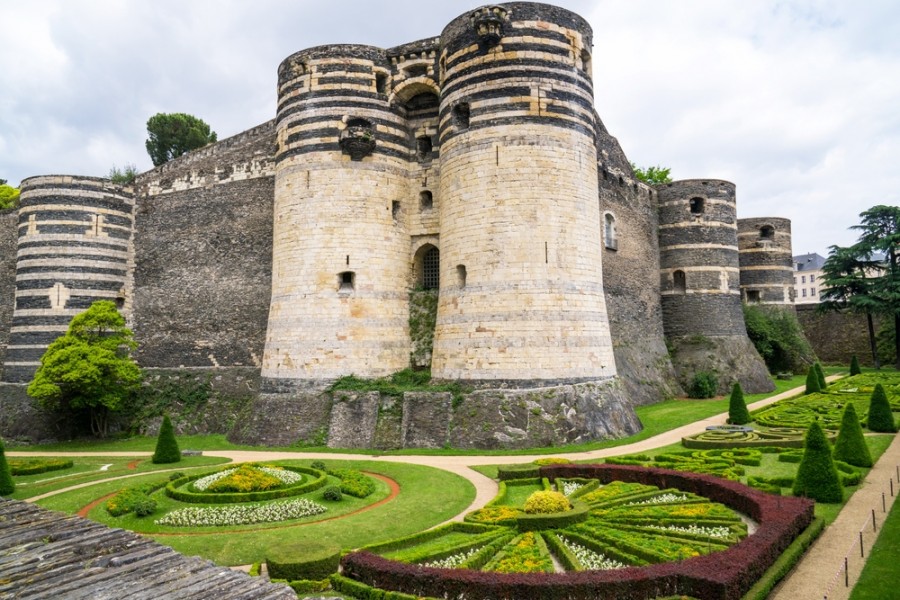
{"x": 737, "y": 408}
{"x": 166, "y": 445}
{"x": 817, "y": 477}
{"x": 823, "y": 385}
{"x": 854, "y": 366}
{"x": 7, "y": 486}
{"x": 881, "y": 418}
{"x": 850, "y": 446}
{"x": 812, "y": 381}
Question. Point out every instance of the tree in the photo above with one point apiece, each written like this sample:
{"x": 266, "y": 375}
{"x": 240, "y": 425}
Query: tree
{"x": 812, "y": 381}
{"x": 737, "y": 408}
{"x": 123, "y": 176}
{"x": 9, "y": 196}
{"x": 820, "y": 374}
{"x": 881, "y": 418}
{"x": 166, "y": 445}
{"x": 652, "y": 175}
{"x": 171, "y": 135}
{"x": 854, "y": 366}
{"x": 90, "y": 367}
{"x": 851, "y": 446}
{"x": 7, "y": 486}
{"x": 817, "y": 477}
{"x": 777, "y": 336}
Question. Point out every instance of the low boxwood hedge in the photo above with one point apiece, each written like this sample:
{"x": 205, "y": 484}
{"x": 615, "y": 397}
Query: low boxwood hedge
{"x": 306, "y": 560}
{"x": 35, "y": 466}
{"x": 537, "y": 522}
{"x": 175, "y": 490}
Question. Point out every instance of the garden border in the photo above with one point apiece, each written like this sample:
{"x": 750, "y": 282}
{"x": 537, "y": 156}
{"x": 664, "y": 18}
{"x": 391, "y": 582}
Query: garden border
{"x": 725, "y": 575}
{"x": 173, "y": 492}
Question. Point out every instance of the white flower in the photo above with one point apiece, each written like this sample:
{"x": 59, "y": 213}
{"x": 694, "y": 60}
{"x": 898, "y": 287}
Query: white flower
{"x": 204, "y": 482}
{"x": 570, "y": 487}
{"x": 454, "y": 560}
{"x": 591, "y": 560}
{"x": 662, "y": 499}
{"x": 241, "y": 514}
{"x": 714, "y": 532}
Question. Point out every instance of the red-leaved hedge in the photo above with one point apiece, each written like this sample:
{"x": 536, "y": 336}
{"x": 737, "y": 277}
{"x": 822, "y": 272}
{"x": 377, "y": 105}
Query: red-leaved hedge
{"x": 725, "y": 575}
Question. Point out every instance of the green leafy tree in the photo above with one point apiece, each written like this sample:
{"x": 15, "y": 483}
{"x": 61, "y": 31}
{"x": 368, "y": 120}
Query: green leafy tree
{"x": 737, "y": 408}
{"x": 90, "y": 367}
{"x": 167, "y": 450}
{"x": 881, "y": 418}
{"x": 173, "y": 134}
{"x": 817, "y": 477}
{"x": 7, "y": 486}
{"x": 820, "y": 373}
{"x": 123, "y": 176}
{"x": 851, "y": 446}
{"x": 812, "y": 381}
{"x": 652, "y": 175}
{"x": 854, "y": 366}
{"x": 9, "y": 196}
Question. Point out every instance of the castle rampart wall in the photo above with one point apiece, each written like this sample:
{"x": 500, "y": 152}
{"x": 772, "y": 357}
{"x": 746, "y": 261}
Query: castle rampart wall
{"x": 74, "y": 247}
{"x": 9, "y": 220}
{"x": 766, "y": 259}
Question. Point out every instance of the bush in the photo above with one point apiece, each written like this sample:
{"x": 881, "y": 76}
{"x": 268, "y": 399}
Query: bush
{"x": 34, "y": 466}
{"x": 812, "y": 381}
{"x": 333, "y": 493}
{"x": 144, "y": 507}
{"x": 881, "y": 418}
{"x": 778, "y": 338}
{"x": 703, "y": 385}
{"x": 7, "y": 486}
{"x": 737, "y": 408}
{"x": 552, "y": 461}
{"x": 353, "y": 482}
{"x": 817, "y": 477}
{"x": 523, "y": 471}
{"x": 166, "y": 445}
{"x": 176, "y": 475}
{"x": 820, "y": 374}
{"x": 246, "y": 478}
{"x": 546, "y": 502}
{"x": 307, "y": 560}
{"x": 318, "y": 465}
{"x": 854, "y": 366}
{"x": 129, "y": 499}
{"x": 850, "y": 446}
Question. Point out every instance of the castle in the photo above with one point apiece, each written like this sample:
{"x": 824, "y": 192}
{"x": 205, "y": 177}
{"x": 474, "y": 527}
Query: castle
{"x": 473, "y": 164}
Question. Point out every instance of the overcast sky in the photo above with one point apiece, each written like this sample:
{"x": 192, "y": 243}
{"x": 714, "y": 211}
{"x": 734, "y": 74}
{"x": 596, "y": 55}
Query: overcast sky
{"x": 796, "y": 102}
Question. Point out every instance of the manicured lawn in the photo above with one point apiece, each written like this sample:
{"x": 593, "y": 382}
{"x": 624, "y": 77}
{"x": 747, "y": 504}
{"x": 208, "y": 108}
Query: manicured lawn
{"x": 881, "y": 567}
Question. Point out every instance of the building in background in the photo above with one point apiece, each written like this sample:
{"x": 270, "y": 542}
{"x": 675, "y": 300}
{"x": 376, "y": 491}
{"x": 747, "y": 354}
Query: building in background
{"x": 808, "y": 278}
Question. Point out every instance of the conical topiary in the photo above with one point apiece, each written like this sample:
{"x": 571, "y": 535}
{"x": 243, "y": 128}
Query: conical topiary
{"x": 850, "y": 446}
{"x": 737, "y": 408}
{"x": 812, "y": 381}
{"x": 854, "y": 366}
{"x": 880, "y": 416}
{"x": 817, "y": 477}
{"x": 821, "y": 375}
{"x": 166, "y": 445}
{"x": 7, "y": 486}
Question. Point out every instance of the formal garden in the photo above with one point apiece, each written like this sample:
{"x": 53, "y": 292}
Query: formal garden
{"x": 721, "y": 514}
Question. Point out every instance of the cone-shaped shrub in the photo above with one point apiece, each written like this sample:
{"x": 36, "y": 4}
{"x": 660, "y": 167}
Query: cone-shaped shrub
{"x": 854, "y": 366}
{"x": 821, "y": 375}
{"x": 812, "y": 381}
{"x": 737, "y": 408}
{"x": 880, "y": 416}
{"x": 166, "y": 446}
{"x": 7, "y": 486}
{"x": 817, "y": 477}
{"x": 850, "y": 446}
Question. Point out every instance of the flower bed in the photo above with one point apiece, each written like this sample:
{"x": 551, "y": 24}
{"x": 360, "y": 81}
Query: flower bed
{"x": 34, "y": 466}
{"x": 242, "y": 514}
{"x": 185, "y": 489}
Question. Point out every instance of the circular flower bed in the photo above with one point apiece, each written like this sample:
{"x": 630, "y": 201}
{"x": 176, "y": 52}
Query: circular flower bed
{"x": 246, "y": 483}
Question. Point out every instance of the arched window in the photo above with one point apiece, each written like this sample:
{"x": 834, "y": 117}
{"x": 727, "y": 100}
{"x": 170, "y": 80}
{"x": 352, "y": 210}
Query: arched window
{"x": 680, "y": 282}
{"x": 461, "y": 115}
{"x": 698, "y": 205}
{"x": 431, "y": 268}
{"x": 426, "y": 200}
{"x": 609, "y": 232}
{"x": 767, "y": 232}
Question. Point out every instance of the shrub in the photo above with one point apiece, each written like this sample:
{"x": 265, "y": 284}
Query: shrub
{"x": 129, "y": 499}
{"x": 550, "y": 460}
{"x": 546, "y": 502}
{"x": 820, "y": 374}
{"x": 307, "y": 560}
{"x": 166, "y": 445}
{"x": 318, "y": 465}
{"x": 778, "y": 338}
{"x": 523, "y": 471}
{"x": 7, "y": 486}
{"x": 850, "y": 446}
{"x": 817, "y": 477}
{"x": 176, "y": 475}
{"x": 333, "y": 493}
{"x": 245, "y": 478}
{"x": 353, "y": 482}
{"x": 880, "y": 416}
{"x": 703, "y": 385}
{"x": 34, "y": 466}
{"x": 854, "y": 366}
{"x": 144, "y": 507}
{"x": 737, "y": 408}
{"x": 812, "y": 381}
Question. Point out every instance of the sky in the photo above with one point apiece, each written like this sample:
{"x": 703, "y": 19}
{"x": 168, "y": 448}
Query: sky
{"x": 796, "y": 102}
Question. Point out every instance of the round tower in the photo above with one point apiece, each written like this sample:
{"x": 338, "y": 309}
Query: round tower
{"x": 766, "y": 258}
{"x": 74, "y": 247}
{"x": 700, "y": 285}
{"x": 521, "y": 293}
{"x": 340, "y": 257}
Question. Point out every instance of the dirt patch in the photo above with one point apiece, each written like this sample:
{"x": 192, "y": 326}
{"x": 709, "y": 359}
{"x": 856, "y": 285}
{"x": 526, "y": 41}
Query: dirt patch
{"x": 84, "y": 511}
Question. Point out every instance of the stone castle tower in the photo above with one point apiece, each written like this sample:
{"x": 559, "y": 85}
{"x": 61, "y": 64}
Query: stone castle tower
{"x": 471, "y": 165}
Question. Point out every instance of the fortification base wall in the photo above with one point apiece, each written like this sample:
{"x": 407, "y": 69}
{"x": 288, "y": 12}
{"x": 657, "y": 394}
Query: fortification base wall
{"x": 836, "y": 337}
{"x": 21, "y": 421}
{"x": 729, "y": 358}
{"x": 484, "y": 419}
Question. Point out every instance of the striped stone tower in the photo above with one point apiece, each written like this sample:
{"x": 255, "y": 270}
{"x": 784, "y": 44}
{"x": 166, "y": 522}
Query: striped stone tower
{"x": 521, "y": 296}
{"x": 340, "y": 272}
{"x": 767, "y": 269}
{"x": 700, "y": 285}
{"x": 74, "y": 247}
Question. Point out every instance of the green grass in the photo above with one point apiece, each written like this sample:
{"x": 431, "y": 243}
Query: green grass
{"x": 881, "y": 566}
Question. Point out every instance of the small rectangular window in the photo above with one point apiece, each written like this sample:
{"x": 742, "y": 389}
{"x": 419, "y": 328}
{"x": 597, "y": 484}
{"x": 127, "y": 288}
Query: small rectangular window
{"x": 347, "y": 281}
{"x": 812, "y": 278}
{"x": 812, "y": 291}
{"x": 803, "y": 292}
{"x": 803, "y": 279}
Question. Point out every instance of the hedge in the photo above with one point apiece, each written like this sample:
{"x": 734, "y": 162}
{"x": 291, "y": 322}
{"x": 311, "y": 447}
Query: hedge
{"x": 817, "y": 476}
{"x": 424, "y": 536}
{"x": 851, "y": 446}
{"x": 306, "y": 560}
{"x": 182, "y": 495}
{"x": 526, "y": 471}
{"x": 7, "y": 485}
{"x": 537, "y": 522}
{"x": 725, "y": 575}
{"x": 167, "y": 450}
{"x": 881, "y": 418}
{"x": 35, "y": 466}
